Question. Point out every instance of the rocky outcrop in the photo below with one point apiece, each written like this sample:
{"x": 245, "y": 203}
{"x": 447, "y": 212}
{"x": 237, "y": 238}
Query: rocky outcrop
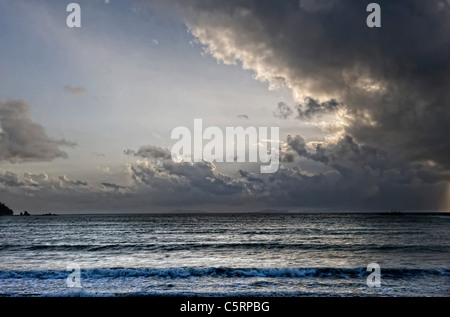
{"x": 5, "y": 210}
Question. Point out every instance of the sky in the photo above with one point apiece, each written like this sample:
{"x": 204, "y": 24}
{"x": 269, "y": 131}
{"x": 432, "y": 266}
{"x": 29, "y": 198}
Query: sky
{"x": 86, "y": 113}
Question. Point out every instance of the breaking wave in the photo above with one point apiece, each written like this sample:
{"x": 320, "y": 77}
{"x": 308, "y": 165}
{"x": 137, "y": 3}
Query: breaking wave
{"x": 222, "y": 272}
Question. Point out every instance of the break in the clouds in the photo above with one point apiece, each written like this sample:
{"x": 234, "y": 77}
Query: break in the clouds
{"x": 22, "y": 140}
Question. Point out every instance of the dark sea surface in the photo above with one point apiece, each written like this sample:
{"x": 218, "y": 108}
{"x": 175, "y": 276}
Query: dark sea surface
{"x": 225, "y": 255}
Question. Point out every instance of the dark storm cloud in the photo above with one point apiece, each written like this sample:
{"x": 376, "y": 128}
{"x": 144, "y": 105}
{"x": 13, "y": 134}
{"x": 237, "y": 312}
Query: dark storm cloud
{"x": 21, "y": 139}
{"x": 311, "y": 107}
{"x": 398, "y": 75}
{"x": 345, "y": 156}
{"x": 392, "y": 84}
{"x": 359, "y": 176}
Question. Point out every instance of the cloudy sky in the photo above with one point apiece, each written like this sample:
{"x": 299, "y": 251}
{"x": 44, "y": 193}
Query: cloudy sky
{"x": 86, "y": 113}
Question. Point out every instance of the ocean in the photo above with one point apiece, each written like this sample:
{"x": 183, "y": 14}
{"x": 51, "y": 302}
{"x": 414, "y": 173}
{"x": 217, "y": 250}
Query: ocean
{"x": 225, "y": 255}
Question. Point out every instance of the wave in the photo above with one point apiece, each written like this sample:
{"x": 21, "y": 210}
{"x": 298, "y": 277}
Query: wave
{"x": 221, "y": 246}
{"x": 193, "y": 294}
{"x": 223, "y": 272}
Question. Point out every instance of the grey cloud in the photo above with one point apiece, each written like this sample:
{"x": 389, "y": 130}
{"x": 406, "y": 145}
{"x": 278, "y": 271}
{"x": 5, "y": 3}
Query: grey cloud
{"x": 187, "y": 183}
{"x": 150, "y": 151}
{"x": 77, "y": 91}
{"x": 41, "y": 192}
{"x": 310, "y": 107}
{"x": 22, "y": 140}
{"x": 165, "y": 182}
{"x": 129, "y": 152}
{"x": 298, "y": 144}
{"x": 114, "y": 187}
{"x": 10, "y": 179}
{"x": 44, "y": 182}
{"x": 64, "y": 142}
{"x": 242, "y": 116}
{"x": 295, "y": 146}
{"x": 283, "y": 111}
{"x": 364, "y": 176}
{"x": 345, "y": 156}
{"x": 66, "y": 180}
{"x": 364, "y": 189}
{"x": 248, "y": 177}
{"x": 307, "y": 109}
{"x": 287, "y": 157}
{"x": 97, "y": 154}
{"x": 40, "y": 182}
{"x": 357, "y": 178}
